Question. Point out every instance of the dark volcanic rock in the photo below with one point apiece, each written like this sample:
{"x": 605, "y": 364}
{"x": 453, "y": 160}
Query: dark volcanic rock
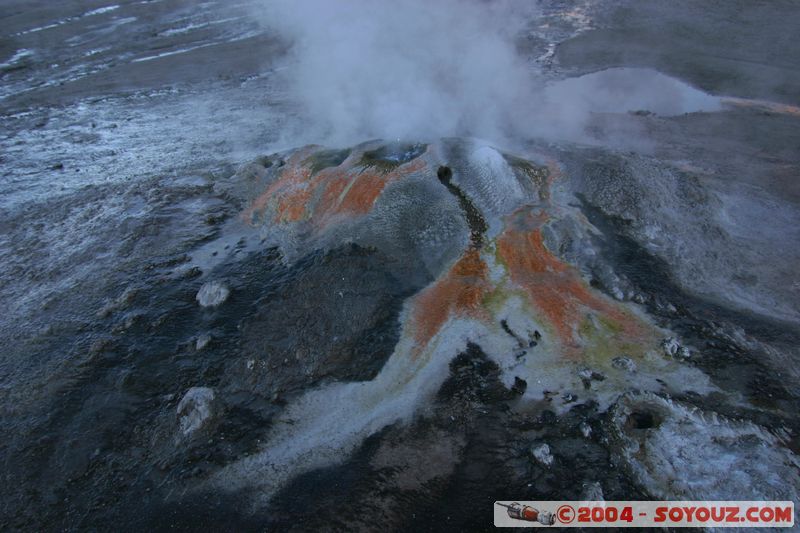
{"x": 336, "y": 320}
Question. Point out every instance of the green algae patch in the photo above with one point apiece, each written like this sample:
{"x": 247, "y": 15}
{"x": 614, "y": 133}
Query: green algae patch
{"x": 601, "y": 336}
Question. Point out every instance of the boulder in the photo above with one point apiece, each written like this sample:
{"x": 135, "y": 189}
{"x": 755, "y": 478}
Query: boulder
{"x": 212, "y": 294}
{"x": 196, "y": 409}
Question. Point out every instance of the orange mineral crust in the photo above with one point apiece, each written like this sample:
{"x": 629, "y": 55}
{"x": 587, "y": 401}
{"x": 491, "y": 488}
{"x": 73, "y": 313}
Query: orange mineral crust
{"x": 774, "y": 107}
{"x": 298, "y": 194}
{"x": 354, "y": 190}
{"x": 554, "y": 288}
{"x": 293, "y": 178}
{"x": 368, "y": 185}
{"x": 554, "y": 171}
{"x": 460, "y": 292}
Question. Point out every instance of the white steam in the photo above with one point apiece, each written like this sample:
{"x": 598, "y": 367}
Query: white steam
{"x": 424, "y": 69}
{"x": 405, "y": 69}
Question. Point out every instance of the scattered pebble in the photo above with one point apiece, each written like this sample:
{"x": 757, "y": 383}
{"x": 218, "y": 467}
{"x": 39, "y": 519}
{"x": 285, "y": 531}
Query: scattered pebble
{"x": 195, "y": 409}
{"x": 670, "y": 346}
{"x": 202, "y": 341}
{"x": 191, "y": 273}
{"x": 542, "y": 454}
{"x": 592, "y": 492}
{"x": 520, "y": 386}
{"x": 673, "y": 348}
{"x": 624, "y": 362}
{"x": 212, "y": 294}
{"x": 588, "y": 375}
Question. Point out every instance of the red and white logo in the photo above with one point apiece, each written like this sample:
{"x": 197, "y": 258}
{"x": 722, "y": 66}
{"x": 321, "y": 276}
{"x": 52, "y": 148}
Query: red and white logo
{"x": 644, "y": 514}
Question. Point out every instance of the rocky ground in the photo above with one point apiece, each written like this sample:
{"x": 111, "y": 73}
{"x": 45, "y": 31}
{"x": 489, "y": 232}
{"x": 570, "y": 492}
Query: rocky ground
{"x": 206, "y": 328}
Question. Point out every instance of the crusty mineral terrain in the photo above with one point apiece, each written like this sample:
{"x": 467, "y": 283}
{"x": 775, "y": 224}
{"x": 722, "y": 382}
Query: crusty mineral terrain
{"x": 208, "y": 327}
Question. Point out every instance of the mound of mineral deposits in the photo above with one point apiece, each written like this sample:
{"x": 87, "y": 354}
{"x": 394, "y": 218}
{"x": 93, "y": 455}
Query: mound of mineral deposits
{"x": 432, "y": 286}
{"x": 417, "y": 325}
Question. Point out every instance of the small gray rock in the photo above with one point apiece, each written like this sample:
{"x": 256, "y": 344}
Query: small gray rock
{"x": 592, "y": 492}
{"x": 542, "y": 454}
{"x": 212, "y": 294}
{"x": 196, "y": 409}
{"x": 202, "y": 341}
{"x": 589, "y": 375}
{"x": 670, "y": 346}
{"x": 624, "y": 362}
{"x": 673, "y": 348}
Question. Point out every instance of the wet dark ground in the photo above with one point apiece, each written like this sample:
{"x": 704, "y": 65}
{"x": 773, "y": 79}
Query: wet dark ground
{"x": 101, "y": 323}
